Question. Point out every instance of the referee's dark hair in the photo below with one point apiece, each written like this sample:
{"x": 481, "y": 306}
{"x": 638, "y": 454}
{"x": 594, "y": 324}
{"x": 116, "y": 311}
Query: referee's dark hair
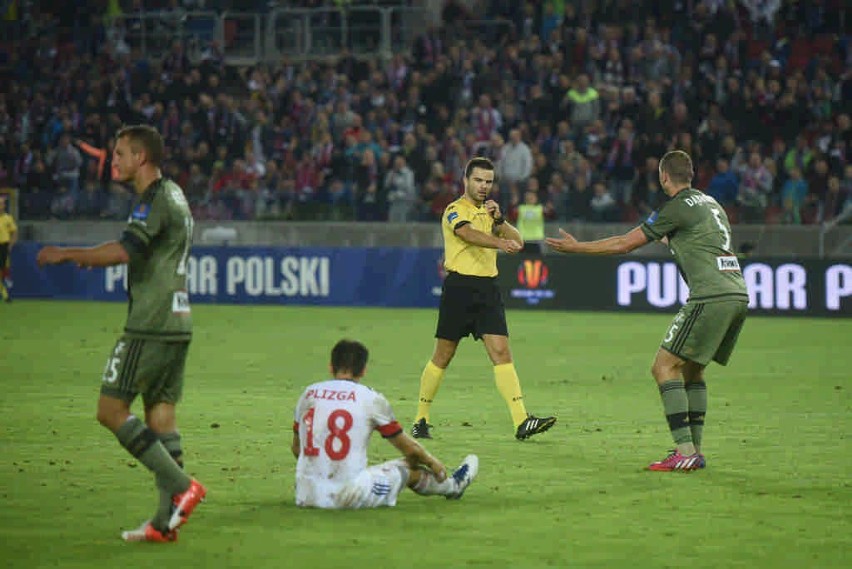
{"x": 478, "y": 162}
{"x": 349, "y": 355}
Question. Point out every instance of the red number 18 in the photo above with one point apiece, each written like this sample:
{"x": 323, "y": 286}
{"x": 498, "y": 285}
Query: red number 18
{"x": 336, "y": 431}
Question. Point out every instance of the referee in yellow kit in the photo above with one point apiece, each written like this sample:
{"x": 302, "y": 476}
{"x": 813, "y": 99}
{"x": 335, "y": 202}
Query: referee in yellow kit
{"x": 8, "y": 236}
{"x": 474, "y": 229}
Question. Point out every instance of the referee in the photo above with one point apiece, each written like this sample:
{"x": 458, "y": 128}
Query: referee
{"x": 474, "y": 229}
{"x": 8, "y": 236}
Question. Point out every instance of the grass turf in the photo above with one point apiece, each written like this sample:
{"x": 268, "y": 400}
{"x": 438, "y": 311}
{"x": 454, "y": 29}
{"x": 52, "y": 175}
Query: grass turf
{"x": 776, "y": 491}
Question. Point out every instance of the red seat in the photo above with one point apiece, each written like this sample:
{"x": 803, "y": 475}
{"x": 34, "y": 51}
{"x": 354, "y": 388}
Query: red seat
{"x": 774, "y": 214}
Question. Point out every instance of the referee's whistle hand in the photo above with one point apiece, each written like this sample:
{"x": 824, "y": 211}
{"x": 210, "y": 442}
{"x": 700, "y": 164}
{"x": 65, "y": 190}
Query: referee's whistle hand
{"x": 510, "y": 246}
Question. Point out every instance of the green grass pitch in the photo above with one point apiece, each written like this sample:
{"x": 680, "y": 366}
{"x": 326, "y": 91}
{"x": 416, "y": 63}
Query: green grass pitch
{"x": 776, "y": 493}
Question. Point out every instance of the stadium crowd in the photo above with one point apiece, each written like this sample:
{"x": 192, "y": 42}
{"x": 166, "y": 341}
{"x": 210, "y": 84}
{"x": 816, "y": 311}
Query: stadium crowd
{"x": 575, "y": 101}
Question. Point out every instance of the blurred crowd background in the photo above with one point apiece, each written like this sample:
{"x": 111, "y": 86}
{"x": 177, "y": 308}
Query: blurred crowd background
{"x": 575, "y": 101}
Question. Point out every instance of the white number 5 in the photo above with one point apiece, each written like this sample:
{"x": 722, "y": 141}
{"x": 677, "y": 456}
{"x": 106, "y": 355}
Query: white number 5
{"x": 111, "y": 370}
{"x": 726, "y": 235}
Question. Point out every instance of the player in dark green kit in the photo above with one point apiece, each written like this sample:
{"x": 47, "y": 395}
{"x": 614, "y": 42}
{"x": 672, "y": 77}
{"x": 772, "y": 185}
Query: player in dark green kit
{"x": 698, "y": 233}
{"x": 150, "y": 356}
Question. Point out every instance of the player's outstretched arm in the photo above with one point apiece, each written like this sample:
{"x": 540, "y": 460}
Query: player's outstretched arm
{"x": 103, "y": 255}
{"x": 476, "y": 237}
{"x": 417, "y": 456}
{"x": 616, "y": 245}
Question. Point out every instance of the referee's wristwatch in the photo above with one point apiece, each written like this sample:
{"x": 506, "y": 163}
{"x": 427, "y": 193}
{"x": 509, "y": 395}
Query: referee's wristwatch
{"x": 499, "y": 220}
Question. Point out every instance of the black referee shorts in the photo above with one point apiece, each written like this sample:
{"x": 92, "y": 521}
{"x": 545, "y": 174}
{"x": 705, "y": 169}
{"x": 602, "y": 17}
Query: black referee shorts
{"x": 4, "y": 255}
{"x": 470, "y": 305}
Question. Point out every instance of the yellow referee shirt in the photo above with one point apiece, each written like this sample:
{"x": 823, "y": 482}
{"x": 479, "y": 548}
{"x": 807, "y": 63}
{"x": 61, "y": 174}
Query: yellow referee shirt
{"x": 459, "y": 255}
{"x": 7, "y": 227}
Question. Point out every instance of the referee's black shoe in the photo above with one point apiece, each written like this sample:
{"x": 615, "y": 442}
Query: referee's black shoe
{"x": 533, "y": 425}
{"x": 420, "y": 430}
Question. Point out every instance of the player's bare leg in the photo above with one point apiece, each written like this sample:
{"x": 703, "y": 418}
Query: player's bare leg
{"x": 509, "y": 386}
{"x": 668, "y": 373}
{"x": 430, "y": 381}
{"x": 444, "y": 352}
{"x": 112, "y": 412}
{"x": 696, "y": 394}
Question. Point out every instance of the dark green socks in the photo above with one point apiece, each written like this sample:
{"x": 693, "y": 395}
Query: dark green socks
{"x": 171, "y": 441}
{"x": 143, "y": 443}
{"x": 696, "y": 394}
{"x": 676, "y": 407}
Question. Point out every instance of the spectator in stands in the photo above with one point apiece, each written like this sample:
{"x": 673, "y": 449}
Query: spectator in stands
{"x": 724, "y": 186}
{"x": 648, "y": 195}
{"x": 516, "y": 163}
{"x": 583, "y": 104}
{"x": 367, "y": 187}
{"x": 579, "y": 200}
{"x": 755, "y": 186}
{"x": 66, "y": 163}
{"x": 817, "y": 179}
{"x": 401, "y": 191}
{"x": 63, "y": 204}
{"x": 620, "y": 166}
{"x": 448, "y": 99}
{"x": 556, "y": 198}
{"x": 90, "y": 204}
{"x": 800, "y": 156}
{"x": 793, "y": 195}
{"x": 603, "y": 205}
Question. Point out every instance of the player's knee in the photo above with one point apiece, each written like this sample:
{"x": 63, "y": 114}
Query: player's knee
{"x": 501, "y": 355}
{"x": 663, "y": 371}
{"x": 107, "y": 417}
{"x": 442, "y": 360}
{"x": 443, "y": 355}
{"x": 112, "y": 414}
{"x": 693, "y": 373}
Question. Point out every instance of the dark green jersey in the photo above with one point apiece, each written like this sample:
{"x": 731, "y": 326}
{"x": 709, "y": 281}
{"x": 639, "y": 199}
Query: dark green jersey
{"x": 699, "y": 236}
{"x": 157, "y": 239}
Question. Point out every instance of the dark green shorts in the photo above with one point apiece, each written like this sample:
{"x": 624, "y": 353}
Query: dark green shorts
{"x": 704, "y": 332}
{"x": 151, "y": 367}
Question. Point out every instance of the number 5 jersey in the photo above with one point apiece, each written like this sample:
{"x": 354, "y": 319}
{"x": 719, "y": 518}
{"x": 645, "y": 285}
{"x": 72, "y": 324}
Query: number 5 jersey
{"x": 699, "y": 236}
{"x": 158, "y": 238}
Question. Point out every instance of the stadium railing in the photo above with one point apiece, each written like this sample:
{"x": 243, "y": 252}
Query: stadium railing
{"x": 296, "y": 33}
{"x": 154, "y": 32}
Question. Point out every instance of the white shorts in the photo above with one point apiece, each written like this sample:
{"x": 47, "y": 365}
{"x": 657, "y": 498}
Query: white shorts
{"x": 377, "y": 486}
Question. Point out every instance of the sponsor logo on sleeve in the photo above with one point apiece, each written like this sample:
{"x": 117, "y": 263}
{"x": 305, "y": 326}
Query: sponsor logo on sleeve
{"x": 452, "y": 217}
{"x": 140, "y": 212}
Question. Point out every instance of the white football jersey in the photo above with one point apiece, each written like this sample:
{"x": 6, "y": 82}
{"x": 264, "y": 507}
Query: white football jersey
{"x": 335, "y": 419}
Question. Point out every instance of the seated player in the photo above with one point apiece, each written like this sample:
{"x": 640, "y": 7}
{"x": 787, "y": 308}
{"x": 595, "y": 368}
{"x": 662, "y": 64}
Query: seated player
{"x": 333, "y": 423}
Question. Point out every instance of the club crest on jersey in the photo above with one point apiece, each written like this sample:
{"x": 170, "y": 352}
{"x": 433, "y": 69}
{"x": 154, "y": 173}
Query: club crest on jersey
{"x": 140, "y": 212}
